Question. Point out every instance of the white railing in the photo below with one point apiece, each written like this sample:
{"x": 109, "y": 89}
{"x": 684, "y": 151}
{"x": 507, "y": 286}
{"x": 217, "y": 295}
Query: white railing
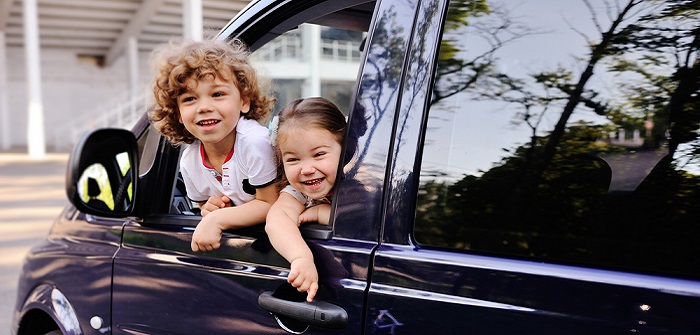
{"x": 341, "y": 51}
{"x": 121, "y": 112}
{"x": 288, "y": 47}
{"x": 281, "y": 48}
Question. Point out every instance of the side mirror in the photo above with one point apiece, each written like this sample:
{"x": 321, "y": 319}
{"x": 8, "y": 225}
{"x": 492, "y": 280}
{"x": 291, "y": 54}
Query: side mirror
{"x": 103, "y": 172}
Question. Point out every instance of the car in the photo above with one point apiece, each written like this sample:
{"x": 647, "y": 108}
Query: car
{"x": 524, "y": 167}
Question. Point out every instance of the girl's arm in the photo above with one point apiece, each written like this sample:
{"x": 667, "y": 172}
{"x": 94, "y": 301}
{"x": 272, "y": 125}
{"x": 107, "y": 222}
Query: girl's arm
{"x": 207, "y": 235}
{"x": 281, "y": 227}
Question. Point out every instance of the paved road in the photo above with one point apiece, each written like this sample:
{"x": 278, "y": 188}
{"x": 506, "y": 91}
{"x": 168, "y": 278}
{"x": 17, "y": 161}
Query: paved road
{"x": 31, "y": 196}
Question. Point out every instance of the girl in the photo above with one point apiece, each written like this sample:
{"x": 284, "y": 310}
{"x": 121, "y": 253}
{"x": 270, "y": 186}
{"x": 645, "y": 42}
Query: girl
{"x": 309, "y": 141}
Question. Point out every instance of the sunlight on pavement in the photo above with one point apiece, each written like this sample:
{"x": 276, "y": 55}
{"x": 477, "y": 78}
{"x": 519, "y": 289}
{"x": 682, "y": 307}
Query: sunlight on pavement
{"x": 13, "y": 256}
{"x": 32, "y": 195}
{"x": 10, "y": 231}
{"x": 23, "y": 213}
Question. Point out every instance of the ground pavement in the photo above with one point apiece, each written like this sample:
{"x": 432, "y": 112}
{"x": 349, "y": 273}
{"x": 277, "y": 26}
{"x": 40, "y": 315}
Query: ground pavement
{"x": 32, "y": 194}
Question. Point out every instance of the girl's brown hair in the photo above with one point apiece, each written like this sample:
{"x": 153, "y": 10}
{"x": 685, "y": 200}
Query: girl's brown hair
{"x": 312, "y": 112}
{"x": 176, "y": 63}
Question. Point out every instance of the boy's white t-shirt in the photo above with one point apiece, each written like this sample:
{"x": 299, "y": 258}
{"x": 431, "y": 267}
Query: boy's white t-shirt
{"x": 250, "y": 165}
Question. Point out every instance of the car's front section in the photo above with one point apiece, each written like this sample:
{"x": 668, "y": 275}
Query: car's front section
{"x": 65, "y": 282}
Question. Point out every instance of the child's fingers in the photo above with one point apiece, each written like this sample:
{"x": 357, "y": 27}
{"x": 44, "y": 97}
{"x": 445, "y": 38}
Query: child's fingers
{"x": 296, "y": 281}
{"x": 312, "y": 292}
{"x": 305, "y": 285}
{"x": 300, "y": 283}
{"x": 214, "y": 203}
{"x": 204, "y": 246}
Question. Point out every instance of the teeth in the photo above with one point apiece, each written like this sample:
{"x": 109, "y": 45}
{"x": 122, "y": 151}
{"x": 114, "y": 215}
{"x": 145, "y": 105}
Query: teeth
{"x": 311, "y": 182}
{"x": 205, "y": 123}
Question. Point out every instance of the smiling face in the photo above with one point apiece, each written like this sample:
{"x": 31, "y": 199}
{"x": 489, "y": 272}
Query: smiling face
{"x": 310, "y": 156}
{"x": 210, "y": 109}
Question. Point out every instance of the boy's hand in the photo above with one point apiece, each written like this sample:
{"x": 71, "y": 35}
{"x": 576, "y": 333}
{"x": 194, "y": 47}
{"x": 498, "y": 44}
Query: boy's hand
{"x": 215, "y": 203}
{"x": 304, "y": 277}
{"x": 207, "y": 236}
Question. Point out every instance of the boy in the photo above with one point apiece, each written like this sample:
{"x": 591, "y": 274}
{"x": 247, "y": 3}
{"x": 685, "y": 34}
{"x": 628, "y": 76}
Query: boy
{"x": 208, "y": 98}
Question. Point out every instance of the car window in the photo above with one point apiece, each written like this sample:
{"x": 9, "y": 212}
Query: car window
{"x": 148, "y": 148}
{"x": 312, "y": 60}
{"x": 565, "y": 132}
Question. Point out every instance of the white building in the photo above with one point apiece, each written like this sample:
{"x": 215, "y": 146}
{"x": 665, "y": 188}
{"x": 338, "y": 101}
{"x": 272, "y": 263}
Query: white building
{"x": 67, "y": 66}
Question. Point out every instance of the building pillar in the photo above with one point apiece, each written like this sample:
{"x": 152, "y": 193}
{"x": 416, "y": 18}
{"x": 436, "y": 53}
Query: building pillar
{"x": 36, "y": 144}
{"x": 4, "y": 109}
{"x": 132, "y": 51}
{"x": 311, "y": 44}
{"x": 192, "y": 19}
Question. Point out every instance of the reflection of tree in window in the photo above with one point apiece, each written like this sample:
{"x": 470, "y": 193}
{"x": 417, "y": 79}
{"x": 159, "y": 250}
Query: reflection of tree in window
{"x": 571, "y": 187}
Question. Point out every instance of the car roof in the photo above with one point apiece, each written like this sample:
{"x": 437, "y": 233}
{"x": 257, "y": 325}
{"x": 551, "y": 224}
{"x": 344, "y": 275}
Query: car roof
{"x": 263, "y": 20}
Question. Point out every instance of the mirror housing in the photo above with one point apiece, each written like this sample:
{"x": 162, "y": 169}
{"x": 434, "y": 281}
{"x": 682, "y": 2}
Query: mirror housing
{"x": 102, "y": 173}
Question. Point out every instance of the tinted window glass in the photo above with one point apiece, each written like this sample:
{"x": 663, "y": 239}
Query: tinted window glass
{"x": 312, "y": 60}
{"x": 566, "y": 132}
{"x": 148, "y": 148}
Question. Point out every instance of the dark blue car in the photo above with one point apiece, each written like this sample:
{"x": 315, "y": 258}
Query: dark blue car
{"x": 527, "y": 167}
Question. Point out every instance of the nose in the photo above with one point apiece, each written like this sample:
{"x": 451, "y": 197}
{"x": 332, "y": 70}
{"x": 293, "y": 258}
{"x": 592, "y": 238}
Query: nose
{"x": 204, "y": 105}
{"x": 308, "y": 169}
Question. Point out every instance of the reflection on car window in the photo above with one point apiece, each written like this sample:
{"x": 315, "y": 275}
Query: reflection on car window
{"x": 564, "y": 138}
{"x": 148, "y": 148}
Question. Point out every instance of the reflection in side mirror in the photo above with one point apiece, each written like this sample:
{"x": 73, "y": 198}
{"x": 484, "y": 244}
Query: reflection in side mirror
{"x": 94, "y": 189}
{"x": 100, "y": 177}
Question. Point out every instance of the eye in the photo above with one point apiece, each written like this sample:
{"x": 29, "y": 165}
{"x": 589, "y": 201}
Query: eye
{"x": 320, "y": 154}
{"x": 218, "y": 94}
{"x": 291, "y": 159}
{"x": 186, "y": 99}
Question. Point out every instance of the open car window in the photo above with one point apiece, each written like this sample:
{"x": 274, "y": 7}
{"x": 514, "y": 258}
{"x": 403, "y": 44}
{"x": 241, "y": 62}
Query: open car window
{"x": 310, "y": 54}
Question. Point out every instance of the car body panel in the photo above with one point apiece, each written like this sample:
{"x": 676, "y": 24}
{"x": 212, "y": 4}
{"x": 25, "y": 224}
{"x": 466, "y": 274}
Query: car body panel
{"x": 492, "y": 295}
{"x": 78, "y": 254}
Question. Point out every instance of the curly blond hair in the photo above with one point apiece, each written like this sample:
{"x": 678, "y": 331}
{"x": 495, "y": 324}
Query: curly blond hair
{"x": 176, "y": 63}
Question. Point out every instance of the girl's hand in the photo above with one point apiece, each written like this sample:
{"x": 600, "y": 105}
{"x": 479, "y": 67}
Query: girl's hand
{"x": 207, "y": 236}
{"x": 303, "y": 277}
{"x": 319, "y": 213}
{"x": 215, "y": 203}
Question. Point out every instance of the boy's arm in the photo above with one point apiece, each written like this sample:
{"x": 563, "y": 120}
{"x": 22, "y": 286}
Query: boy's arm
{"x": 207, "y": 235}
{"x": 213, "y": 204}
{"x": 281, "y": 227}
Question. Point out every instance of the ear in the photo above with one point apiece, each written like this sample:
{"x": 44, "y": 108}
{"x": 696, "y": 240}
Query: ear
{"x": 245, "y": 106}
{"x": 179, "y": 117}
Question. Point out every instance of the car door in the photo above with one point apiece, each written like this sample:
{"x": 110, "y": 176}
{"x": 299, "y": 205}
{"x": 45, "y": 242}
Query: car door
{"x": 539, "y": 184}
{"x": 161, "y": 287}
